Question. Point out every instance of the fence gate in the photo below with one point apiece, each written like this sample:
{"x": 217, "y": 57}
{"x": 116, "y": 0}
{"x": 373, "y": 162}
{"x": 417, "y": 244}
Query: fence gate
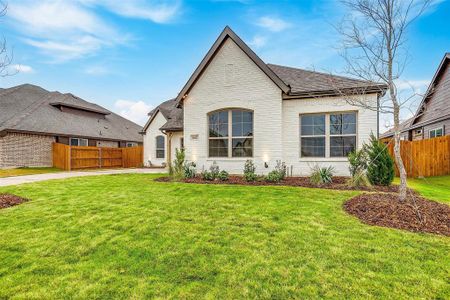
{"x": 76, "y": 157}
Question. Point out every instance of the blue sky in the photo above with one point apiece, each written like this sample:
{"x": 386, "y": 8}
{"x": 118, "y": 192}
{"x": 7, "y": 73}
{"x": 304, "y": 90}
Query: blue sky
{"x": 130, "y": 55}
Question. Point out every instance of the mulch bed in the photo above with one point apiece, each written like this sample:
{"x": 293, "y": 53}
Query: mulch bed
{"x": 339, "y": 183}
{"x": 8, "y": 200}
{"x": 385, "y": 209}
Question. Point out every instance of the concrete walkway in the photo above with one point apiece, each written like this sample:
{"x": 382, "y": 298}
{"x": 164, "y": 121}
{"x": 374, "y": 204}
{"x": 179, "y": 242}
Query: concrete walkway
{"x": 61, "y": 175}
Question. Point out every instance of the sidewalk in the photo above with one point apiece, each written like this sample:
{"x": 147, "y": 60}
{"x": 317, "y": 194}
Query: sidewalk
{"x": 61, "y": 175}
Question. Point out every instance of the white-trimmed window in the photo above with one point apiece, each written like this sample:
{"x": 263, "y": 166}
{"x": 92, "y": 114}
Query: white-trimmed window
{"x": 342, "y": 134}
{"x": 312, "y": 135}
{"x": 78, "y": 142}
{"x": 160, "y": 146}
{"x": 230, "y": 133}
{"x": 328, "y": 134}
{"x": 132, "y": 144}
{"x": 437, "y": 132}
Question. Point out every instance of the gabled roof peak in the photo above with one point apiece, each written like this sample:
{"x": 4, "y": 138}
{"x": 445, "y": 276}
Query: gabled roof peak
{"x": 227, "y": 32}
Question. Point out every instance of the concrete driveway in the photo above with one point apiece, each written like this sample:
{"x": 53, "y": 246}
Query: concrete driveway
{"x": 61, "y": 175}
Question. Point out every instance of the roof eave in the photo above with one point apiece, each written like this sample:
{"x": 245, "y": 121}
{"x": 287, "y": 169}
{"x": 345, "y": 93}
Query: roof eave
{"x": 378, "y": 89}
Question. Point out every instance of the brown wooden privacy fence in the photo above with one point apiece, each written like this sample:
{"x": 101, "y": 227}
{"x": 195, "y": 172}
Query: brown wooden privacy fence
{"x": 75, "y": 157}
{"x": 425, "y": 158}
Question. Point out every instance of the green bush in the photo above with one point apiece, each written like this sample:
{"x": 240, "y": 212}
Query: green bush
{"x": 321, "y": 175}
{"x": 223, "y": 175}
{"x": 214, "y": 170}
{"x": 380, "y": 169}
{"x": 189, "y": 170}
{"x": 274, "y": 176}
{"x": 279, "y": 172}
{"x": 249, "y": 171}
{"x": 358, "y": 160}
{"x": 206, "y": 175}
{"x": 176, "y": 170}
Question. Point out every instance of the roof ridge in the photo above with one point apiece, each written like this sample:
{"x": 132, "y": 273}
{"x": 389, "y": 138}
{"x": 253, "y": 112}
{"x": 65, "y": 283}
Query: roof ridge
{"x": 322, "y": 73}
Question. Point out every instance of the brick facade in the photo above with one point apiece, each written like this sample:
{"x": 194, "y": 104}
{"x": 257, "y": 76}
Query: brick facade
{"x": 21, "y": 149}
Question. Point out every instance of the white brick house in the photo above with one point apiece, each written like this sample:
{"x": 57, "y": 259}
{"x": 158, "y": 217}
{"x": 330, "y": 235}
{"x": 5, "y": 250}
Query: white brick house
{"x": 235, "y": 107}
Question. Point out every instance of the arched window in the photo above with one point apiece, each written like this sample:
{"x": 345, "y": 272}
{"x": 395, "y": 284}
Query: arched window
{"x": 230, "y": 133}
{"x": 160, "y": 146}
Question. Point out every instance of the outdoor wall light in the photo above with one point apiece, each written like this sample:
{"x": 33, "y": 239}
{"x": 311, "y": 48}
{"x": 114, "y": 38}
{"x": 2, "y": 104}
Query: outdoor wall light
{"x": 266, "y": 165}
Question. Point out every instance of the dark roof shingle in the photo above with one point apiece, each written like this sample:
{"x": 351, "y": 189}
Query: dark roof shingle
{"x": 33, "y": 109}
{"x": 304, "y": 81}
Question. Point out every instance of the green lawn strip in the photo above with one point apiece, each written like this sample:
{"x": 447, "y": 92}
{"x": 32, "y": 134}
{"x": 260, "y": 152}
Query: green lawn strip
{"x": 120, "y": 236}
{"x": 26, "y": 171}
{"x": 435, "y": 188}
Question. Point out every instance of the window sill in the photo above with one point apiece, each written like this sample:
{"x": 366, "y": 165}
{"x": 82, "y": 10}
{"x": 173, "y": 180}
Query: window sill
{"x": 323, "y": 159}
{"x": 228, "y": 158}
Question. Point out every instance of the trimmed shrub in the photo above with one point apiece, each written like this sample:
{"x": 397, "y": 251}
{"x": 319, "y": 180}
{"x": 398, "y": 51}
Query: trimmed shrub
{"x": 249, "y": 171}
{"x": 380, "y": 169}
{"x": 321, "y": 175}
{"x": 223, "y": 175}
{"x": 189, "y": 170}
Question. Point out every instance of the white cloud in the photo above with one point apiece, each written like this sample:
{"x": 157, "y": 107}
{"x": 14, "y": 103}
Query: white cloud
{"x": 258, "y": 41}
{"x": 155, "y": 11}
{"x": 96, "y": 70}
{"x": 272, "y": 24}
{"x": 417, "y": 86}
{"x": 135, "y": 111}
{"x": 22, "y": 69}
{"x": 66, "y": 30}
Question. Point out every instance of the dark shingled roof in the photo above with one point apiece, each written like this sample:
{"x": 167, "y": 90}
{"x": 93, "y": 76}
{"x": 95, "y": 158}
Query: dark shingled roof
{"x": 311, "y": 82}
{"x": 30, "y": 108}
{"x": 172, "y": 113}
{"x": 404, "y": 126}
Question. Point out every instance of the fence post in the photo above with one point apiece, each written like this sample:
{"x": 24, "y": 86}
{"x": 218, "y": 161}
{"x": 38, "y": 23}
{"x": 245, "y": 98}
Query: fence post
{"x": 69, "y": 155}
{"x": 99, "y": 157}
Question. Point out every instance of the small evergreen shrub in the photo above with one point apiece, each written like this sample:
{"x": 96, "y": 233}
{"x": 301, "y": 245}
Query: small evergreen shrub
{"x": 223, "y": 175}
{"x": 380, "y": 169}
{"x": 189, "y": 170}
{"x": 358, "y": 160}
{"x": 176, "y": 169}
{"x": 249, "y": 171}
{"x": 321, "y": 175}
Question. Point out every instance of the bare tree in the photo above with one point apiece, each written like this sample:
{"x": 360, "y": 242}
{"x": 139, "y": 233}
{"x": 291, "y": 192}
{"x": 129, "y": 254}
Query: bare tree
{"x": 373, "y": 46}
{"x": 5, "y": 55}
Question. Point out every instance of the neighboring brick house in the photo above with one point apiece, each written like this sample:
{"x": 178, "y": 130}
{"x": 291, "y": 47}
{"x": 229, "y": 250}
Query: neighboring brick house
{"x": 32, "y": 118}
{"x": 432, "y": 118}
{"x": 235, "y": 107}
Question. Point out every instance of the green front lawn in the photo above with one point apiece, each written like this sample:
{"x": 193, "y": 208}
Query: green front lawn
{"x": 26, "y": 171}
{"x": 125, "y": 236}
{"x": 435, "y": 188}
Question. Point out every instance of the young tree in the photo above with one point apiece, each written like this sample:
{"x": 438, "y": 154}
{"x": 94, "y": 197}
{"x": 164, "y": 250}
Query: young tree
{"x": 373, "y": 46}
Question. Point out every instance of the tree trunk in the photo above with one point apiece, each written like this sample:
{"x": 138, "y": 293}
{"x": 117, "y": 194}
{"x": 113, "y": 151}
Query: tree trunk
{"x": 400, "y": 166}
